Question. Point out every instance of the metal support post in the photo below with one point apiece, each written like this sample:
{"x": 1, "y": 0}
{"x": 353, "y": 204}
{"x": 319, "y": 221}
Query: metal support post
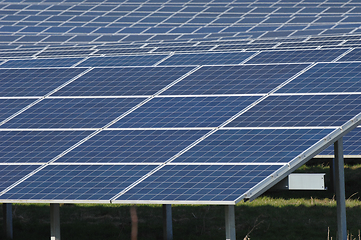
{"x": 332, "y": 176}
{"x": 54, "y": 221}
{"x": 8, "y": 220}
{"x": 340, "y": 191}
{"x": 167, "y": 222}
{"x": 230, "y": 223}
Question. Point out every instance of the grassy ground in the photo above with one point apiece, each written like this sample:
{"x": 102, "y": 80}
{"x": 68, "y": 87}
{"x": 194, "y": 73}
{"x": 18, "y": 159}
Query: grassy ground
{"x": 276, "y": 215}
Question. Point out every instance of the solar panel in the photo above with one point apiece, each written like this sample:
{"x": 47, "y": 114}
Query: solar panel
{"x": 253, "y": 146}
{"x": 171, "y": 101}
{"x": 133, "y": 146}
{"x": 36, "y": 63}
{"x": 64, "y": 53}
{"x": 207, "y": 58}
{"x": 17, "y": 54}
{"x": 12, "y": 173}
{"x": 327, "y": 78}
{"x": 141, "y": 60}
{"x": 123, "y": 81}
{"x": 72, "y": 113}
{"x": 9, "y": 107}
{"x": 34, "y": 82}
{"x": 169, "y": 112}
{"x": 36, "y": 146}
{"x": 246, "y": 79}
{"x": 352, "y": 143}
{"x": 301, "y": 110}
{"x": 352, "y": 56}
{"x": 297, "y": 56}
{"x": 124, "y": 51}
{"x": 78, "y": 182}
{"x": 198, "y": 183}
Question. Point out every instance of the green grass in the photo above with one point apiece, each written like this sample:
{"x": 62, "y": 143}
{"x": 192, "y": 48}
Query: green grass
{"x": 275, "y": 215}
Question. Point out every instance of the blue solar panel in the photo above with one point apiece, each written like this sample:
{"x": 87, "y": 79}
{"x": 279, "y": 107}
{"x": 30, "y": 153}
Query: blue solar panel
{"x": 199, "y": 183}
{"x": 9, "y": 174}
{"x": 78, "y": 182}
{"x": 64, "y": 52}
{"x": 327, "y": 77}
{"x": 207, "y": 58}
{"x": 354, "y": 55}
{"x": 124, "y": 51}
{"x": 135, "y": 146}
{"x": 301, "y": 110}
{"x": 33, "y": 82}
{"x": 297, "y": 56}
{"x": 36, "y": 146}
{"x": 16, "y": 54}
{"x": 244, "y": 46}
{"x": 309, "y": 44}
{"x": 183, "y": 49}
{"x": 245, "y": 79}
{"x": 185, "y": 112}
{"x": 10, "y": 106}
{"x": 351, "y": 144}
{"x": 141, "y": 60}
{"x": 253, "y": 146}
{"x": 34, "y": 63}
{"x": 73, "y": 113}
{"x": 123, "y": 81}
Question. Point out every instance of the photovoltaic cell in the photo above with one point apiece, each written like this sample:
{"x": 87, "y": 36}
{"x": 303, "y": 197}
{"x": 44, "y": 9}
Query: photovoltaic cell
{"x": 327, "y": 77}
{"x": 246, "y": 79}
{"x": 78, "y": 182}
{"x": 33, "y": 82}
{"x": 39, "y": 62}
{"x": 9, "y": 174}
{"x": 185, "y": 112}
{"x": 36, "y": 146}
{"x": 123, "y": 81}
{"x": 135, "y": 146}
{"x": 297, "y": 111}
{"x": 297, "y": 56}
{"x": 253, "y": 146}
{"x": 207, "y": 58}
{"x": 72, "y": 113}
{"x": 199, "y": 183}
{"x": 10, "y": 106}
{"x": 140, "y": 60}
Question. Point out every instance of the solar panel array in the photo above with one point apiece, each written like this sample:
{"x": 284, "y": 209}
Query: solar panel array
{"x": 171, "y": 101}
